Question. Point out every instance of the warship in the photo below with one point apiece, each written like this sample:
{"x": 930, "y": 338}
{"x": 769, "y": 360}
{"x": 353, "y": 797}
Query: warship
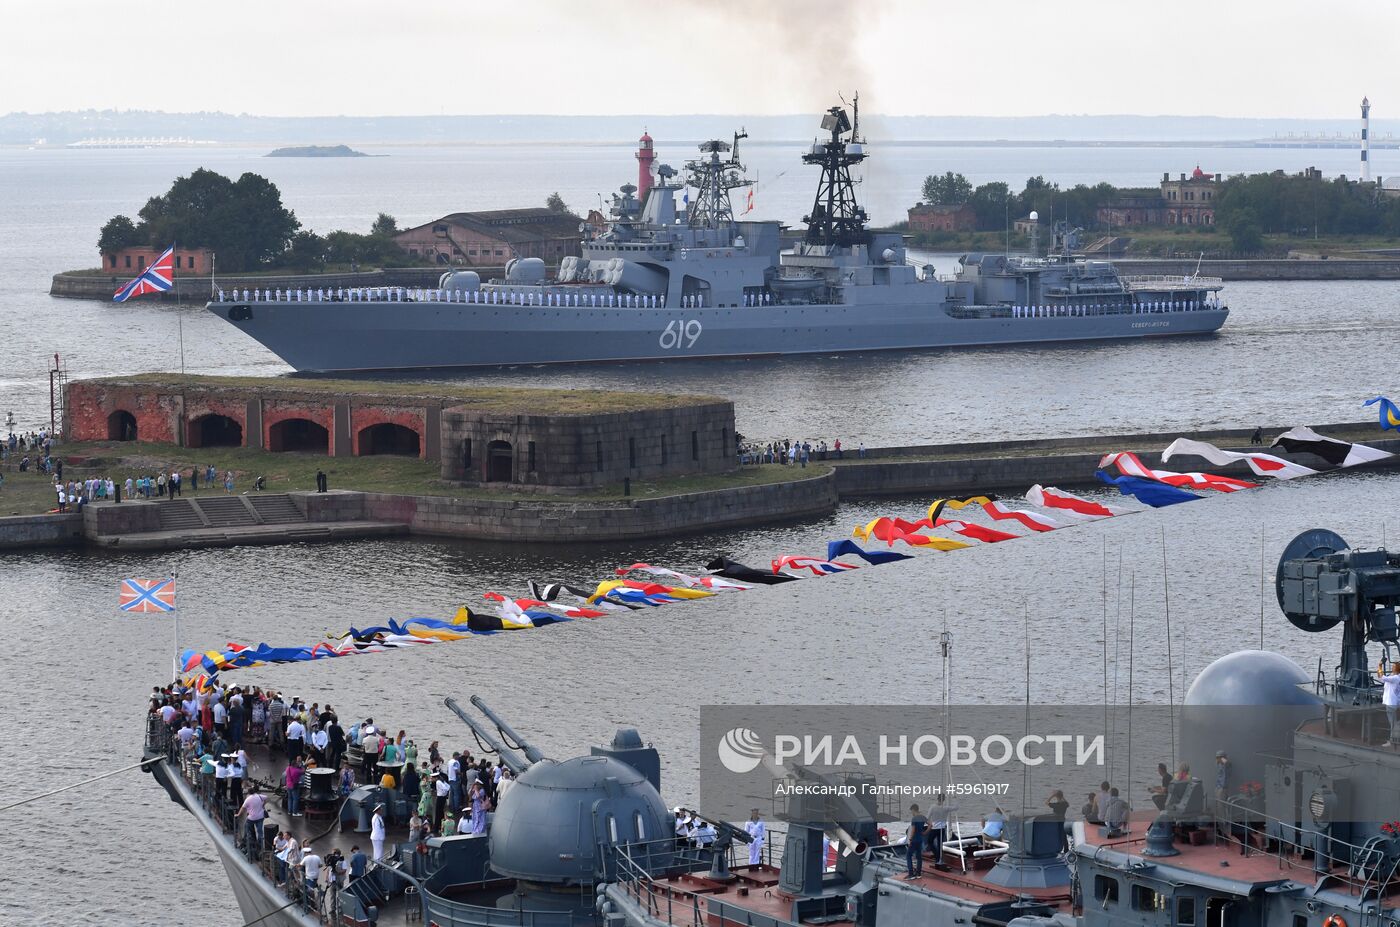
{"x": 589, "y": 842}
{"x": 661, "y": 280}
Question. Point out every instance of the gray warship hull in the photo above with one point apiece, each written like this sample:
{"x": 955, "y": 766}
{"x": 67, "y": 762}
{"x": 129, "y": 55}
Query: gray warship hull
{"x": 323, "y": 337}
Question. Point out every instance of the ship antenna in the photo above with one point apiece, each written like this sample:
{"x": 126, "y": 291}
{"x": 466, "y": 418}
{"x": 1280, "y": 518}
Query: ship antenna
{"x": 1132, "y": 614}
{"x": 1167, "y": 616}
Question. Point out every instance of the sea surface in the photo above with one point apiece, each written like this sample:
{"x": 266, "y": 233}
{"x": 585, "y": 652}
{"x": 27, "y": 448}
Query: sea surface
{"x": 74, "y": 675}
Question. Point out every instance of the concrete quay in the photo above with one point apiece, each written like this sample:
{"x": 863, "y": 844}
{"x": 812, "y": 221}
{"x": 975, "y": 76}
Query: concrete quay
{"x": 1008, "y": 467}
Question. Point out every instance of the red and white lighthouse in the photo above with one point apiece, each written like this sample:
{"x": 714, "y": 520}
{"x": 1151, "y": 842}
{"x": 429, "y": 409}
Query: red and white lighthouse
{"x": 645, "y": 155}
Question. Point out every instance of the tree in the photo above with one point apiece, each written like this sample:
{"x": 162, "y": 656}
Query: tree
{"x": 991, "y": 203}
{"x": 307, "y": 252}
{"x": 119, "y": 232}
{"x": 1242, "y": 225}
{"x": 555, "y": 203}
{"x": 244, "y": 222}
{"x": 384, "y": 225}
{"x": 949, "y": 190}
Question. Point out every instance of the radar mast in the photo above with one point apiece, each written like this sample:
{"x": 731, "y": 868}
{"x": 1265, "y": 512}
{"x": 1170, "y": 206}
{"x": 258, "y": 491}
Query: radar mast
{"x": 713, "y": 176}
{"x": 836, "y": 217}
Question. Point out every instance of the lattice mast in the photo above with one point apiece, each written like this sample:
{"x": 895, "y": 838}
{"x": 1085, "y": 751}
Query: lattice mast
{"x": 713, "y": 176}
{"x": 836, "y": 217}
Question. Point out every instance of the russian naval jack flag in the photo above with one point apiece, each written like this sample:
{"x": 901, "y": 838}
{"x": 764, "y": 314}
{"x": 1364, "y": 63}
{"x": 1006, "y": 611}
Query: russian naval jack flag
{"x": 158, "y": 278}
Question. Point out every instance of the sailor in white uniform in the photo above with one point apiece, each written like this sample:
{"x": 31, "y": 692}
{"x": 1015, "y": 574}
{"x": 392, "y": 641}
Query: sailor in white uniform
{"x": 757, "y": 831}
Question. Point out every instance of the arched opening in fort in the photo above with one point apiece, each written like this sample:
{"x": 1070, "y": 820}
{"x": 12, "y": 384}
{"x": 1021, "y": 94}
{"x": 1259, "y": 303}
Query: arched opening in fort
{"x": 389, "y": 438}
{"x": 299, "y": 434}
{"x": 500, "y": 462}
{"x": 121, "y": 426}
{"x": 215, "y": 431}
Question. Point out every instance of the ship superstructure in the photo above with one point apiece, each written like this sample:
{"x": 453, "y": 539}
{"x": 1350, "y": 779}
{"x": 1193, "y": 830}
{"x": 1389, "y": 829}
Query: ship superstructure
{"x": 663, "y": 279}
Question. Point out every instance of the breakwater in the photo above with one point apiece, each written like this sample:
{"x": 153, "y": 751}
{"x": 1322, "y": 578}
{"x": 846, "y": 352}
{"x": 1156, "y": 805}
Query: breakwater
{"x": 923, "y": 470}
{"x": 98, "y": 285}
{"x": 1281, "y": 269}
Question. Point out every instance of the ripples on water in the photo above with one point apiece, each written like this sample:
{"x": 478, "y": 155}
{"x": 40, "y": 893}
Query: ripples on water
{"x": 74, "y": 676}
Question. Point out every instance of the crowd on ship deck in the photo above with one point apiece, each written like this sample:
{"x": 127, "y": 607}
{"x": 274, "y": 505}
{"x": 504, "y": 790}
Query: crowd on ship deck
{"x": 209, "y": 732}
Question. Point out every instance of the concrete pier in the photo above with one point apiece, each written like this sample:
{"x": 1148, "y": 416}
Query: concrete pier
{"x": 1006, "y": 467}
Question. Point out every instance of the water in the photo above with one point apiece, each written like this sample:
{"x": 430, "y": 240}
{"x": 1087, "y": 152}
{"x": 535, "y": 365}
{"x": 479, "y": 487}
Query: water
{"x": 74, "y": 676}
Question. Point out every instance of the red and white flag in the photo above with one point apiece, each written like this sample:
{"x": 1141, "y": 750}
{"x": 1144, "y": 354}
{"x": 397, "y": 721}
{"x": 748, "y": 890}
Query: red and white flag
{"x": 1068, "y": 504}
{"x": 1131, "y": 465}
{"x": 1262, "y": 464}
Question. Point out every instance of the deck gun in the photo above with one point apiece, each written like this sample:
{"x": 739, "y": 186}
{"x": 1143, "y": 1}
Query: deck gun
{"x": 504, "y": 742}
{"x": 1321, "y": 582}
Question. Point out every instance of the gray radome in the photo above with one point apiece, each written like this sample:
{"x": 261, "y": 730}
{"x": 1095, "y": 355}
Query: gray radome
{"x": 1248, "y": 704}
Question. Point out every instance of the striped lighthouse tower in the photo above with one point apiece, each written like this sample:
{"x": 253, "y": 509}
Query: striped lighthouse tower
{"x": 1365, "y": 140}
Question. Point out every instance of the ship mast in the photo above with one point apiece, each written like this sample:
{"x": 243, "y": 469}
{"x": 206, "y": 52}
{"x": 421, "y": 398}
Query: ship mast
{"x": 836, "y": 217}
{"x": 713, "y": 176}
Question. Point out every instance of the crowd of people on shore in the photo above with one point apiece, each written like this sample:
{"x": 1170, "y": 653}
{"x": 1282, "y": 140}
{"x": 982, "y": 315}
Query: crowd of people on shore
{"x": 210, "y": 731}
{"x": 790, "y": 453}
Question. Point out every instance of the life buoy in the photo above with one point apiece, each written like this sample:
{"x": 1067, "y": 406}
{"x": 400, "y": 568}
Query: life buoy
{"x": 1335, "y": 920}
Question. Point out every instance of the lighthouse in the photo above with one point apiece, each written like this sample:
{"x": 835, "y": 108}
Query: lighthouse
{"x": 645, "y": 155}
{"x": 1365, "y": 140}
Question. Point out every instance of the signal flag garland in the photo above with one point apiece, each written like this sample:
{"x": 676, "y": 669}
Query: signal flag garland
{"x": 556, "y": 602}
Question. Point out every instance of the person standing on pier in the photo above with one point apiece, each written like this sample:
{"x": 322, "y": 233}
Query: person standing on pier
{"x": 322, "y": 484}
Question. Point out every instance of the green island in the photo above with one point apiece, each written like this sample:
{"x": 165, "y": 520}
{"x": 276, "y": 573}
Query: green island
{"x": 317, "y": 151}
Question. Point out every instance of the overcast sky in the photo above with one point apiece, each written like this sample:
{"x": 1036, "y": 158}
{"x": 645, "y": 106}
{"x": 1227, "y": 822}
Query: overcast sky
{"x": 1273, "y": 58}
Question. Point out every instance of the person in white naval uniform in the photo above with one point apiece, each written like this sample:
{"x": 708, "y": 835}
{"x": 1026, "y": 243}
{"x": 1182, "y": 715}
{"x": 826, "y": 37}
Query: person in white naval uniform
{"x": 757, "y": 831}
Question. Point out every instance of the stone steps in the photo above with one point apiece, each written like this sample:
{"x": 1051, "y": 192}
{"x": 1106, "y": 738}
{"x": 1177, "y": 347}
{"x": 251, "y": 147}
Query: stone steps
{"x": 227, "y": 512}
{"x": 276, "y": 509}
{"x": 178, "y": 514}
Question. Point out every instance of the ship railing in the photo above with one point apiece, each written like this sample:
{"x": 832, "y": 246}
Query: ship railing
{"x": 1078, "y": 311}
{"x": 536, "y": 295}
{"x": 1369, "y": 870}
{"x": 1171, "y": 282}
{"x": 634, "y": 864}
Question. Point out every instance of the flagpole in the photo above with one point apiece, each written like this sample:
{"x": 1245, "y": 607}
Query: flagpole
{"x": 175, "y": 660}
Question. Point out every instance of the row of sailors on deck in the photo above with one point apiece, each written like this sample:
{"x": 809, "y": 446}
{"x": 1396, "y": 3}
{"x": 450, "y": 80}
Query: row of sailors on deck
{"x": 605, "y": 300}
{"x": 1137, "y": 308}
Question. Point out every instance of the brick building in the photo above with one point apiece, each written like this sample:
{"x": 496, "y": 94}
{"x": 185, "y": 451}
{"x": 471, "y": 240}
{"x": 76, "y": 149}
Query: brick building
{"x": 491, "y": 238}
{"x": 519, "y": 438}
{"x": 1188, "y": 200}
{"x": 194, "y": 261}
{"x": 927, "y": 218}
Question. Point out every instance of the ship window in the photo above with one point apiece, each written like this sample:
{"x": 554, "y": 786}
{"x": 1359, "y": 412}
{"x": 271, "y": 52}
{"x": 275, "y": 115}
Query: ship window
{"x": 1147, "y": 898}
{"x": 632, "y": 452}
{"x": 530, "y": 452}
{"x": 639, "y": 824}
{"x": 695, "y": 445}
{"x": 612, "y": 829}
{"x": 1186, "y": 911}
{"x": 1105, "y": 890}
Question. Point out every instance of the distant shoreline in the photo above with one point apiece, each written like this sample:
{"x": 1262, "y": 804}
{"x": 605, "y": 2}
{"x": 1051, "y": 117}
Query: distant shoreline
{"x": 318, "y": 151}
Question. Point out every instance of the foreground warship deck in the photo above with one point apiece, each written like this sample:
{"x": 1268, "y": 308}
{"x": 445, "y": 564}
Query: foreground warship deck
{"x": 588, "y": 842}
{"x": 666, "y": 282}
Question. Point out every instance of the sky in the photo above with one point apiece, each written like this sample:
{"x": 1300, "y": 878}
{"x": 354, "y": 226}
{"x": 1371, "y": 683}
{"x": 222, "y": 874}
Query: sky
{"x": 1236, "y": 58}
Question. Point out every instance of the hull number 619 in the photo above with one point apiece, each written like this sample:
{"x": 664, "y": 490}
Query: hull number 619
{"x": 680, "y": 334}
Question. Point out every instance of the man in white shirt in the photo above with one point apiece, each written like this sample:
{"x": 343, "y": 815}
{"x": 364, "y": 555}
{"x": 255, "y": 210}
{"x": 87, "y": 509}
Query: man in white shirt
{"x": 296, "y": 738}
{"x": 454, "y": 780}
{"x": 755, "y": 829}
{"x": 319, "y": 741}
{"x": 1391, "y": 699}
{"x": 311, "y": 867}
{"x": 441, "y": 793}
{"x": 704, "y": 834}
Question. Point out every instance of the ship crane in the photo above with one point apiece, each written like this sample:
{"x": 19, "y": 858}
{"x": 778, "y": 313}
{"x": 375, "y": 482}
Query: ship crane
{"x": 836, "y": 217}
